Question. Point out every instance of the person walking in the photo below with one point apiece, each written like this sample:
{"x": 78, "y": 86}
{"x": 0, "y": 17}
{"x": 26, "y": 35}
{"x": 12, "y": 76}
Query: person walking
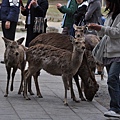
{"x": 79, "y": 15}
{"x": 110, "y": 48}
{"x": 68, "y": 11}
{"x": 34, "y": 8}
{"x": 93, "y": 14}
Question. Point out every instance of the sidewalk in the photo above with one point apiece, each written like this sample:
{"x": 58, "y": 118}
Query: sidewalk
{"x": 50, "y": 107}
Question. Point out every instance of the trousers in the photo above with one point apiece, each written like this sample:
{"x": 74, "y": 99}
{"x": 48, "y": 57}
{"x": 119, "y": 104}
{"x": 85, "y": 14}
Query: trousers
{"x": 113, "y": 82}
{"x": 9, "y": 33}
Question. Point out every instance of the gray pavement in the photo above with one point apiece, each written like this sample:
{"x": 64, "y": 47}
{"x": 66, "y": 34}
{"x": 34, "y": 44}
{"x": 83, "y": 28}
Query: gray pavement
{"x": 50, "y": 107}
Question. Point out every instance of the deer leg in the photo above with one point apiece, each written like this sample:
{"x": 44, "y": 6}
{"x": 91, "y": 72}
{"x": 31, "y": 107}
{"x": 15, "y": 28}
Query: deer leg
{"x": 21, "y": 84}
{"x": 26, "y": 78}
{"x": 78, "y": 87}
{"x": 8, "y": 79}
{"x": 27, "y": 75}
{"x": 72, "y": 91}
{"x": 13, "y": 75}
{"x": 29, "y": 86}
{"x": 37, "y": 85}
{"x": 65, "y": 82}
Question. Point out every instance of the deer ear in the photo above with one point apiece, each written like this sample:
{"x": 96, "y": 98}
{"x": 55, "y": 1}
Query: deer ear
{"x": 19, "y": 41}
{"x": 74, "y": 26}
{"x": 7, "y": 41}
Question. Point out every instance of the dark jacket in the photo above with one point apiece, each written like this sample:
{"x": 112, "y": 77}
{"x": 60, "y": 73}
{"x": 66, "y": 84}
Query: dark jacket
{"x": 10, "y": 11}
{"x": 80, "y": 13}
{"x": 39, "y": 11}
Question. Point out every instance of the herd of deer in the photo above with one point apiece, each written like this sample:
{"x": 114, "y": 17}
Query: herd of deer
{"x": 57, "y": 54}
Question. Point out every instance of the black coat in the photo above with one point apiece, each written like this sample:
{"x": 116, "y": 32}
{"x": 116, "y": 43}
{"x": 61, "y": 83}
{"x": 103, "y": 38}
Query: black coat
{"x": 39, "y": 11}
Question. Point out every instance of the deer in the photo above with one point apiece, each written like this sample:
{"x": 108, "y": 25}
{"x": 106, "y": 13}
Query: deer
{"x": 64, "y": 42}
{"x": 100, "y": 70}
{"x": 55, "y": 61}
{"x": 14, "y": 57}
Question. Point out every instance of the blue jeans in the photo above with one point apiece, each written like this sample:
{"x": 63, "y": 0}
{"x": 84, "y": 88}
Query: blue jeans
{"x": 114, "y": 85}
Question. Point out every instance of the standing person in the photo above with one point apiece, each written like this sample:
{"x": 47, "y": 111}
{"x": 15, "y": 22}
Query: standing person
{"x": 34, "y": 8}
{"x": 79, "y": 15}
{"x": 9, "y": 17}
{"x": 68, "y": 11}
{"x": 110, "y": 45}
{"x": 93, "y": 14}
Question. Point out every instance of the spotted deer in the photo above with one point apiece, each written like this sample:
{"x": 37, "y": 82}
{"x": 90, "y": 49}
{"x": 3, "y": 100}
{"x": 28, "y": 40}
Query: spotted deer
{"x": 55, "y": 61}
{"x": 63, "y": 41}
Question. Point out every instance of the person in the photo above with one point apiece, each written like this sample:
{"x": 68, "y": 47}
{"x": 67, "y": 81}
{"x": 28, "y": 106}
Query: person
{"x": 79, "y": 14}
{"x": 93, "y": 14}
{"x": 68, "y": 11}
{"x": 34, "y": 8}
{"x": 111, "y": 53}
{"x": 9, "y": 16}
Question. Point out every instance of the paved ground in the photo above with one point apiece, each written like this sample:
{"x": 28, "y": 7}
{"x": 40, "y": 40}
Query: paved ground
{"x": 50, "y": 107}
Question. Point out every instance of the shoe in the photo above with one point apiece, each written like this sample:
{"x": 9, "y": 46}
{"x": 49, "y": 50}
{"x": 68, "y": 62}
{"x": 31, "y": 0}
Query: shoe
{"x": 111, "y": 114}
{"x": 2, "y": 62}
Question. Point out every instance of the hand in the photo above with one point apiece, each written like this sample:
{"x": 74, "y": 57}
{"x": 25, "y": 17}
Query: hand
{"x": 59, "y": 5}
{"x": 94, "y": 26}
{"x": 33, "y": 2}
{"x": 7, "y": 24}
{"x": 23, "y": 8}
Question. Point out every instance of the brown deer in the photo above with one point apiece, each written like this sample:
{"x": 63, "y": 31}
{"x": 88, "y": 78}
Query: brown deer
{"x": 55, "y": 61}
{"x": 14, "y": 57}
{"x": 100, "y": 70}
{"x": 63, "y": 41}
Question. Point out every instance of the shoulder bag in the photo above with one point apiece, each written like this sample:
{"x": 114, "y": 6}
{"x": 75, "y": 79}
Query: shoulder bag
{"x": 38, "y": 25}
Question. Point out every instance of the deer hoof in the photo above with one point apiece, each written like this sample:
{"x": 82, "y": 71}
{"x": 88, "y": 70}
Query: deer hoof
{"x": 40, "y": 96}
{"x": 11, "y": 89}
{"x": 77, "y": 101}
{"x": 19, "y": 92}
{"x": 31, "y": 92}
{"x": 27, "y": 98}
{"x": 6, "y": 95}
{"x": 65, "y": 104}
{"x": 83, "y": 99}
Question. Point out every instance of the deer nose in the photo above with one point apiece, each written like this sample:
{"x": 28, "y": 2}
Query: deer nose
{"x": 78, "y": 35}
{"x": 83, "y": 47}
{"x": 17, "y": 53}
{"x": 99, "y": 72}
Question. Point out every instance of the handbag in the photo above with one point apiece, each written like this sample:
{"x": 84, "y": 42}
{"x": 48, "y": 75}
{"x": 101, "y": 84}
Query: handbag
{"x": 38, "y": 25}
{"x": 98, "y": 51}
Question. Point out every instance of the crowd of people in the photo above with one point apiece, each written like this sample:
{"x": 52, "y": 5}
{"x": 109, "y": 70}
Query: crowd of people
{"x": 79, "y": 12}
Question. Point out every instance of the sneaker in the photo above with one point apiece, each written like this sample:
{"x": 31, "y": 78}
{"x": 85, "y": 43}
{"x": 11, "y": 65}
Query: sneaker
{"x": 111, "y": 114}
